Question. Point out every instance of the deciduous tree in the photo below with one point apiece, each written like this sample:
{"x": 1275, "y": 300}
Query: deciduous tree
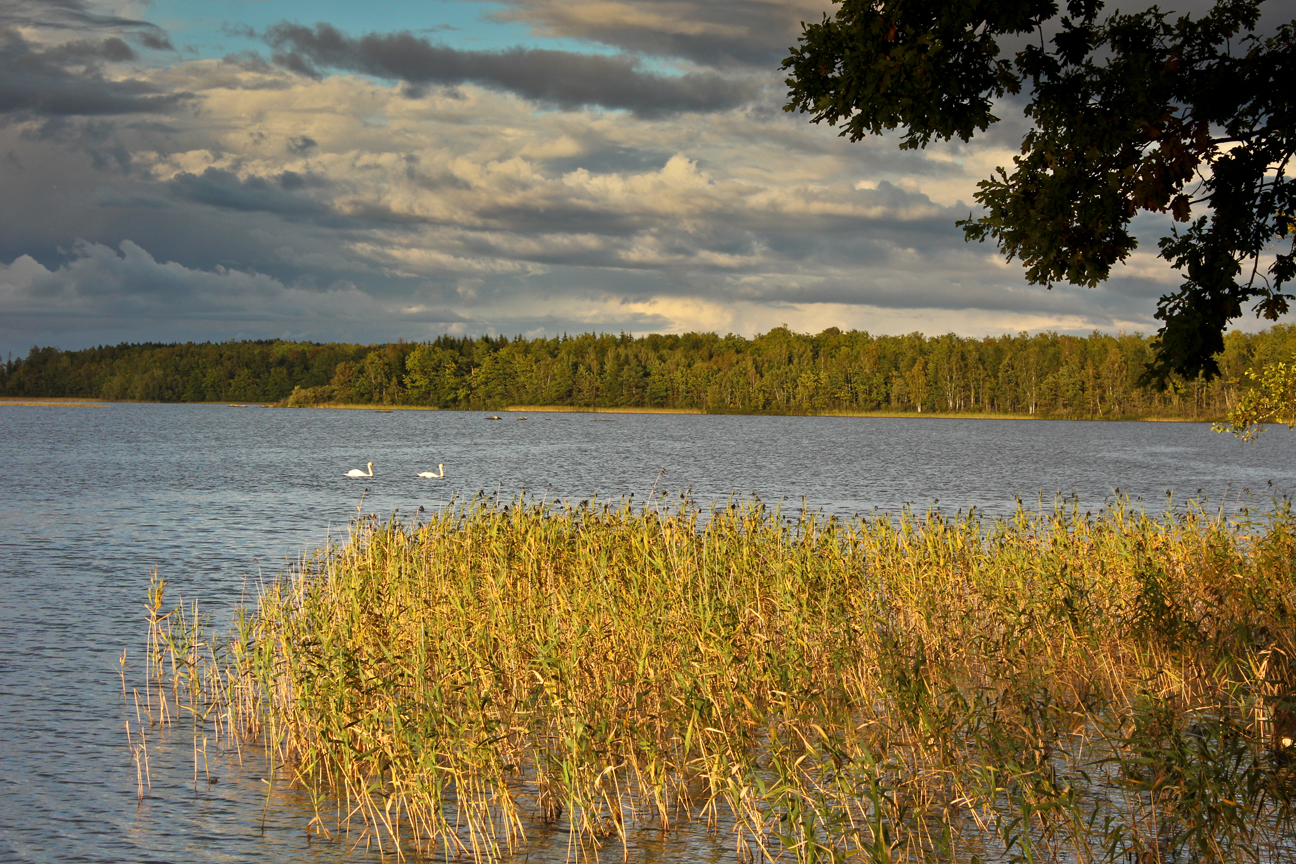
{"x": 1130, "y": 113}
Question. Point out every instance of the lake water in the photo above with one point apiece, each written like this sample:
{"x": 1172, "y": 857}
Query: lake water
{"x": 93, "y": 499}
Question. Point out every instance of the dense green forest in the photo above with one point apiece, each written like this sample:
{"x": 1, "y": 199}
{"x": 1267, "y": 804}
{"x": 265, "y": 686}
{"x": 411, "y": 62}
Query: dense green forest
{"x": 779, "y": 372}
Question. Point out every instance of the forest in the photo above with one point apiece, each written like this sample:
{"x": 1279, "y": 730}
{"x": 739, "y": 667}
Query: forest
{"x": 778, "y": 372}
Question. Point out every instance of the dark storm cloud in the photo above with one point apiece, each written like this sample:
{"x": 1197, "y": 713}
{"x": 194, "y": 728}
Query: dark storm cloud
{"x": 282, "y": 195}
{"x": 156, "y": 41}
{"x": 97, "y": 139}
{"x": 563, "y": 78}
{"x": 85, "y": 52}
{"x": 68, "y": 14}
{"x": 67, "y": 80}
{"x": 77, "y": 15}
{"x": 224, "y": 189}
{"x": 751, "y": 33}
{"x": 723, "y": 33}
{"x": 106, "y": 196}
{"x": 562, "y": 217}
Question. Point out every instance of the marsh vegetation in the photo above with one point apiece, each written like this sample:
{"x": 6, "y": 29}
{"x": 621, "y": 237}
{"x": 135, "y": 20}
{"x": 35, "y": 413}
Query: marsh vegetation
{"x": 1056, "y": 686}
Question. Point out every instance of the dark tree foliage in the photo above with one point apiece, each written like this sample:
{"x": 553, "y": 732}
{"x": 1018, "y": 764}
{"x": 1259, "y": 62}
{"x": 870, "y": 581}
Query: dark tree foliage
{"x": 1130, "y": 113}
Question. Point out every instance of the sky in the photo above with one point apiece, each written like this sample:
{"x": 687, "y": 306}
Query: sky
{"x": 365, "y": 172}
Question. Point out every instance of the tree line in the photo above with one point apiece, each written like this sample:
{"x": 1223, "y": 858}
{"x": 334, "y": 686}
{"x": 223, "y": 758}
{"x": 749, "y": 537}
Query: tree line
{"x": 778, "y": 372}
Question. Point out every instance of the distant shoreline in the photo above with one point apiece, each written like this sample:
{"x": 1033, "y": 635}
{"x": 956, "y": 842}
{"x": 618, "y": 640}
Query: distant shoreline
{"x": 901, "y": 415}
{"x": 576, "y": 409}
{"x": 49, "y": 402}
{"x": 72, "y": 402}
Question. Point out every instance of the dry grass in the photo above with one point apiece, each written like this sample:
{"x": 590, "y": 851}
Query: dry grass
{"x": 575, "y": 409}
{"x": 48, "y": 403}
{"x": 934, "y": 415}
{"x": 1049, "y": 687}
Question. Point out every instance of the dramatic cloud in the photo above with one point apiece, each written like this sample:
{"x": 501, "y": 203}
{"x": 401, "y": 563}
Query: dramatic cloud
{"x": 562, "y": 78}
{"x": 470, "y": 212}
{"x": 133, "y": 293}
{"x": 224, "y": 189}
{"x": 68, "y": 79}
{"x": 78, "y": 15}
{"x": 228, "y": 197}
{"x": 708, "y": 32}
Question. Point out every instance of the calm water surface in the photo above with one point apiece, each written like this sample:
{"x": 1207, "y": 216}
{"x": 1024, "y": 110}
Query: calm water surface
{"x": 94, "y": 499}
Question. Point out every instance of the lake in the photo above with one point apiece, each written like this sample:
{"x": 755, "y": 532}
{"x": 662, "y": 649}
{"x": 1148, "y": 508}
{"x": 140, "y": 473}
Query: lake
{"x": 217, "y": 499}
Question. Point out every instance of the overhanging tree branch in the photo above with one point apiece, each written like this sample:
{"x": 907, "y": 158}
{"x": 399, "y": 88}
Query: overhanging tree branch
{"x": 1130, "y": 113}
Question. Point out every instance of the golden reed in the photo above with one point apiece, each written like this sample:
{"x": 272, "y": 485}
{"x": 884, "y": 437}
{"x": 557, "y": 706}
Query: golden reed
{"x": 1057, "y": 686}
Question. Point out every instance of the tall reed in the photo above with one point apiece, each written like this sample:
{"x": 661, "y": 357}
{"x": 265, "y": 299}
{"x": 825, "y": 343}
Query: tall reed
{"x": 1053, "y": 686}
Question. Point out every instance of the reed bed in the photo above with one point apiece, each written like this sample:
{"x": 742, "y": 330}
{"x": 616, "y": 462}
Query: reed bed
{"x": 1057, "y": 686}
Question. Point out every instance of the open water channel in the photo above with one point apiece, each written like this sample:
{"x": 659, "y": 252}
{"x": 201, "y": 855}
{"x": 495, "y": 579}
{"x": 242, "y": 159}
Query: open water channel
{"x": 94, "y": 499}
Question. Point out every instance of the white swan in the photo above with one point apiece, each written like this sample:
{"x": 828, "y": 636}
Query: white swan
{"x": 432, "y": 476}
{"x": 356, "y": 472}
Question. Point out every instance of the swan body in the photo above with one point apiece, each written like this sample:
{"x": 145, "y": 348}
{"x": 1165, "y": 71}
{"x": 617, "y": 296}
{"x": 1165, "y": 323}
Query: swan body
{"x": 431, "y": 475}
{"x": 356, "y": 472}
